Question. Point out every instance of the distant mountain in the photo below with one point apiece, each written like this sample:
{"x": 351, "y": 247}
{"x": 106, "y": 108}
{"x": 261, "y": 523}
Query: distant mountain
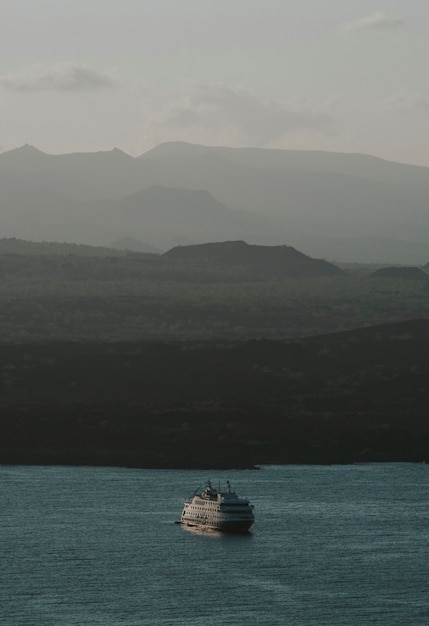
{"x": 322, "y": 203}
{"x": 167, "y": 216}
{"x": 78, "y": 177}
{"x": 325, "y": 200}
{"x": 22, "y": 247}
{"x": 402, "y": 273}
{"x": 310, "y": 198}
{"x": 22, "y": 198}
{"x": 134, "y": 245}
{"x": 379, "y": 250}
{"x": 353, "y": 164}
{"x": 260, "y": 260}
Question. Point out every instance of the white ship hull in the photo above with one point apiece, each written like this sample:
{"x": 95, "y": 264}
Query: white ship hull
{"x": 217, "y": 510}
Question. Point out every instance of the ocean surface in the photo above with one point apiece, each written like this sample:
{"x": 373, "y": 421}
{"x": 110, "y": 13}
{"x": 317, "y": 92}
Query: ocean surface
{"x": 332, "y": 545}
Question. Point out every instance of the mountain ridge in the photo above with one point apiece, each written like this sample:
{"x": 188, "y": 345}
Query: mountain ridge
{"x": 313, "y": 200}
{"x": 280, "y": 155}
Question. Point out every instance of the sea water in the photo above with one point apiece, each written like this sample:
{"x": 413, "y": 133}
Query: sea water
{"x": 332, "y": 545}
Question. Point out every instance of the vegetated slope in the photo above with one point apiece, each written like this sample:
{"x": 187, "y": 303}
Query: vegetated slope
{"x": 349, "y": 397}
{"x": 261, "y": 260}
{"x": 95, "y": 294}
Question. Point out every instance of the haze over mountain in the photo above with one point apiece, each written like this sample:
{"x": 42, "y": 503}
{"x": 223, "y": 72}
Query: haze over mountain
{"x": 169, "y": 216}
{"x": 346, "y": 207}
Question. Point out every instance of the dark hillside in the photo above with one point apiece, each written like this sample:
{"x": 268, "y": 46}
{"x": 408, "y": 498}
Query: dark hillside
{"x": 66, "y": 292}
{"x": 343, "y": 398}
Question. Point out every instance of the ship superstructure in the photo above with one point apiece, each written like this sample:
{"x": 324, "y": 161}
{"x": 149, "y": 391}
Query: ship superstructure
{"x": 218, "y": 510}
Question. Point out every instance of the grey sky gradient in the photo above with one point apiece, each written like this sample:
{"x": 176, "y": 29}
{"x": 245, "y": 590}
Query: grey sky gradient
{"x": 65, "y": 77}
{"x": 301, "y": 74}
{"x": 377, "y": 21}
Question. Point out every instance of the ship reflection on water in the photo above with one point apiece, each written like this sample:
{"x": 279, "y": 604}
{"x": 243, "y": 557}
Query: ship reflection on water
{"x": 204, "y": 531}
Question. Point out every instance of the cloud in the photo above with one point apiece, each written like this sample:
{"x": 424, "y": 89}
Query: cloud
{"x": 378, "y": 21}
{"x": 408, "y": 102}
{"x": 63, "y": 77}
{"x": 217, "y": 113}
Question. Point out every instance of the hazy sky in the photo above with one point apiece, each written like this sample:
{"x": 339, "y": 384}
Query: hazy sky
{"x": 345, "y": 75}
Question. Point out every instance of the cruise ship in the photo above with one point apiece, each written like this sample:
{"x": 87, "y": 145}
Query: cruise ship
{"x": 218, "y": 510}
